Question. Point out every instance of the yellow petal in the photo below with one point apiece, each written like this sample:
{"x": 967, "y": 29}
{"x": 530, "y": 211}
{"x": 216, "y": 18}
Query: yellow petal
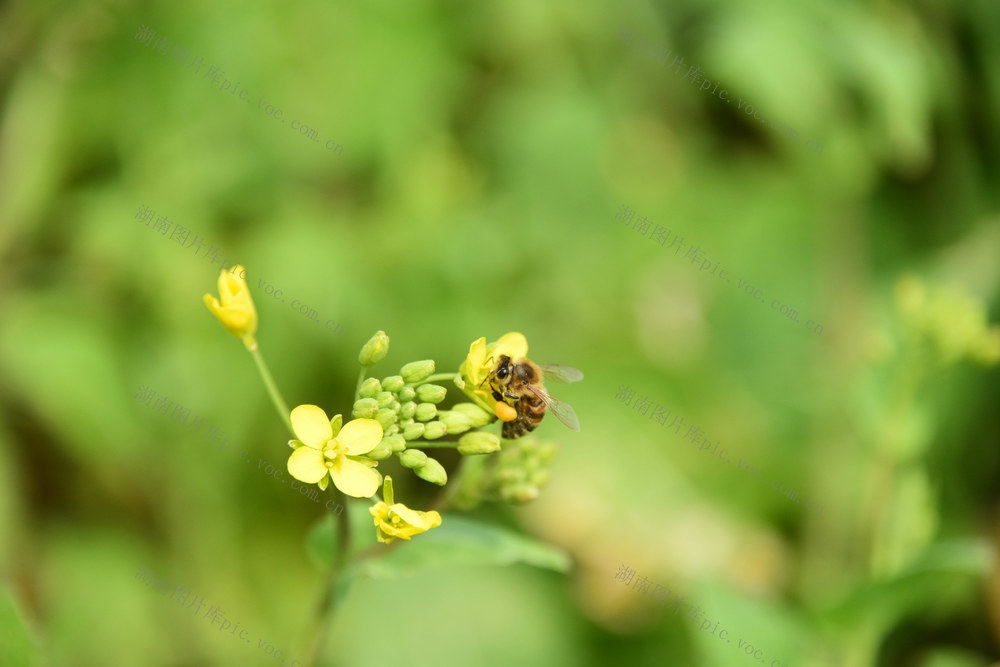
{"x": 360, "y": 436}
{"x": 513, "y": 344}
{"x": 475, "y": 360}
{"x": 421, "y": 520}
{"x": 312, "y": 426}
{"x": 353, "y": 478}
{"x": 379, "y": 510}
{"x": 306, "y": 465}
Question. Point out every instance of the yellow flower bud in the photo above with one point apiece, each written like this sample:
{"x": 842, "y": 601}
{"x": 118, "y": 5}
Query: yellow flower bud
{"x": 425, "y": 412}
{"x": 434, "y": 430}
{"x": 478, "y": 442}
{"x": 412, "y": 458}
{"x": 392, "y": 383}
{"x": 236, "y": 312}
{"x": 455, "y": 421}
{"x": 433, "y": 472}
{"x": 365, "y": 408}
{"x": 413, "y": 431}
{"x": 476, "y": 414}
{"x": 374, "y": 350}
{"x": 417, "y": 370}
{"x": 431, "y": 393}
{"x": 370, "y": 387}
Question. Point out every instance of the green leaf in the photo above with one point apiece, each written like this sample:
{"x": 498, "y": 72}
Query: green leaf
{"x": 462, "y": 541}
{"x": 946, "y": 572}
{"x": 323, "y": 537}
{"x": 17, "y": 645}
{"x": 321, "y": 542}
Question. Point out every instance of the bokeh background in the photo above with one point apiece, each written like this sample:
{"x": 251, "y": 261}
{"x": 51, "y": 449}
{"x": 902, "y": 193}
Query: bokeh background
{"x": 486, "y": 150}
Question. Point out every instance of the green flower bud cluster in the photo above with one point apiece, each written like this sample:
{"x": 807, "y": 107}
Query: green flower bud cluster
{"x": 406, "y": 406}
{"x": 520, "y": 472}
{"x": 953, "y": 324}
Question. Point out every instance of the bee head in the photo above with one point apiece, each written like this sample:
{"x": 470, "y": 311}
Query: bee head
{"x": 503, "y": 368}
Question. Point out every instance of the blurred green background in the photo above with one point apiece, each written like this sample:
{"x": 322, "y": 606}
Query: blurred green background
{"x": 487, "y": 148}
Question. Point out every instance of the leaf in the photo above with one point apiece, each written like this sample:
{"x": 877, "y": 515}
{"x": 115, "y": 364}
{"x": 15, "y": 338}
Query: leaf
{"x": 17, "y": 646}
{"x": 946, "y": 571}
{"x": 461, "y": 541}
{"x": 321, "y": 542}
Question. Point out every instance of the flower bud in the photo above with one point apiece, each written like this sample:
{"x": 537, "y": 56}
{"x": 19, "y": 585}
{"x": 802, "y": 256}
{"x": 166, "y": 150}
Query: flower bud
{"x": 539, "y": 478}
{"x": 382, "y": 451}
{"x": 434, "y": 430}
{"x": 412, "y": 458}
{"x": 386, "y": 418}
{"x": 370, "y": 387}
{"x": 365, "y": 408}
{"x": 425, "y": 412}
{"x": 392, "y": 383}
{"x": 455, "y": 421}
{"x": 374, "y": 350}
{"x": 393, "y": 429}
{"x": 413, "y": 431}
{"x": 522, "y": 493}
{"x": 336, "y": 424}
{"x": 431, "y": 393}
{"x": 236, "y": 311}
{"x": 384, "y": 398}
{"x": 478, "y": 442}
{"x": 417, "y": 370}
{"x": 396, "y": 442}
{"x": 407, "y": 410}
{"x": 476, "y": 414}
{"x": 407, "y": 394}
{"x": 433, "y": 472}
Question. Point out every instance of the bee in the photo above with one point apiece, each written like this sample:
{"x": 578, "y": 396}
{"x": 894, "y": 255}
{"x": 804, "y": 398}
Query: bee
{"x": 519, "y": 383}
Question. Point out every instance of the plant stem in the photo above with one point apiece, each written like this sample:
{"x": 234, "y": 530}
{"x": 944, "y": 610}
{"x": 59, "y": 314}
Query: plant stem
{"x": 361, "y": 380}
{"x": 332, "y": 597}
{"x": 272, "y": 389}
{"x": 434, "y": 378}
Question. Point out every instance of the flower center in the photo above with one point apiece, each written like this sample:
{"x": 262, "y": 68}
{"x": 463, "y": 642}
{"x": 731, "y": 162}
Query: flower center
{"x": 332, "y": 452}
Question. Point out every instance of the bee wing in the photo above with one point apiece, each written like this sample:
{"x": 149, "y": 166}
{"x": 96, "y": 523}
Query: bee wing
{"x": 561, "y": 373}
{"x": 564, "y": 412}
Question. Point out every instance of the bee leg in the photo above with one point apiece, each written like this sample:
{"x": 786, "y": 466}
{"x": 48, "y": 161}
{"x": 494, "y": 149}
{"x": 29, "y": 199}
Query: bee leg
{"x": 510, "y": 396}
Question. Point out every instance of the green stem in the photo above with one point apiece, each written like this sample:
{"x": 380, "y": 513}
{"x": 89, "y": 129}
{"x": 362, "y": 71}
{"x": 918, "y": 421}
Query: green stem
{"x": 433, "y": 378}
{"x": 425, "y": 444}
{"x": 272, "y": 390}
{"x": 361, "y": 380}
{"x": 331, "y": 598}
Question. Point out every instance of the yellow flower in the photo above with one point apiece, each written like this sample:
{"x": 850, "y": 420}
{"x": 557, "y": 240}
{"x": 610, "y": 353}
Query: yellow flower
{"x": 480, "y": 363}
{"x": 318, "y": 451}
{"x": 394, "y": 520}
{"x": 236, "y": 312}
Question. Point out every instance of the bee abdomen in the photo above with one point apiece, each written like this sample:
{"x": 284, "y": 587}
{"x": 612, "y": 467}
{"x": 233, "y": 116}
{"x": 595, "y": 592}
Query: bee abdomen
{"x": 517, "y": 428}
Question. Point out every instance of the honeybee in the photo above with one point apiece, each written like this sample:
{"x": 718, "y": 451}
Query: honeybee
{"x": 519, "y": 383}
